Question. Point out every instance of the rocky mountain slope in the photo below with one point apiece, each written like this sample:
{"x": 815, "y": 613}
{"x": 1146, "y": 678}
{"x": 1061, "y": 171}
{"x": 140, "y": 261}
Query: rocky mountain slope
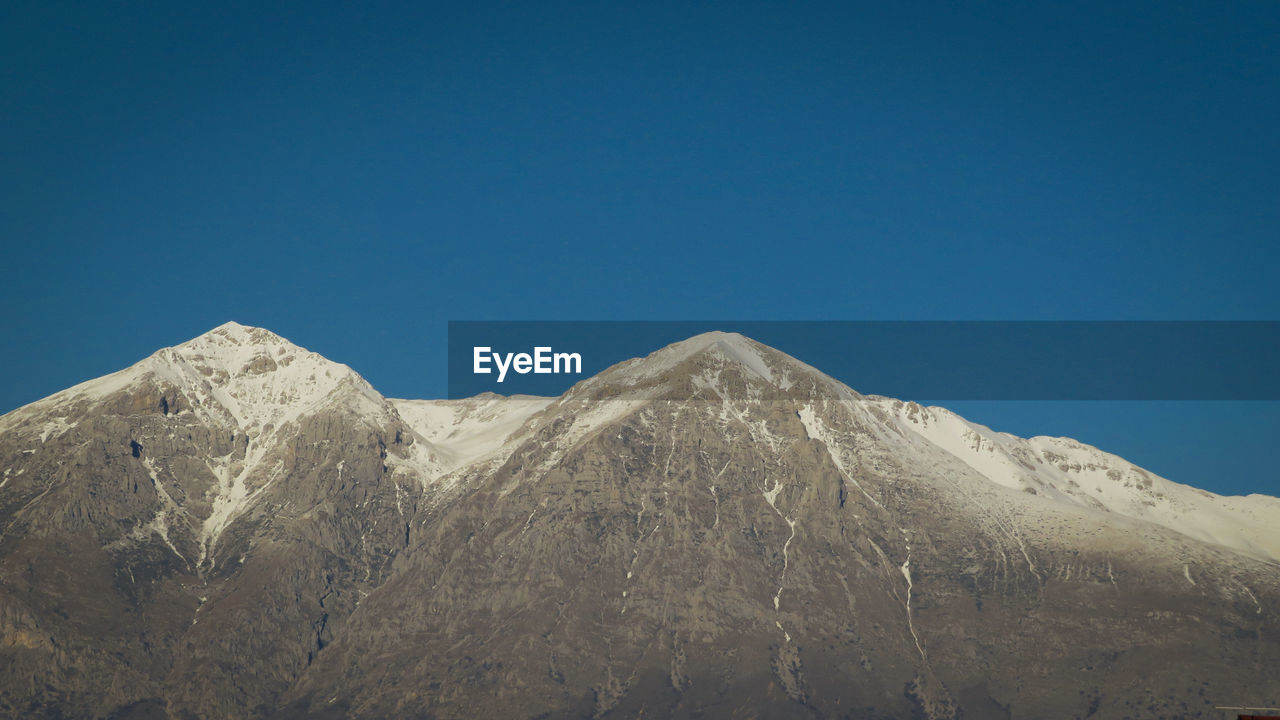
{"x": 236, "y": 527}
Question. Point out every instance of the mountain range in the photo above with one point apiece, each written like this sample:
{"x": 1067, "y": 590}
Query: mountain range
{"x": 236, "y": 527}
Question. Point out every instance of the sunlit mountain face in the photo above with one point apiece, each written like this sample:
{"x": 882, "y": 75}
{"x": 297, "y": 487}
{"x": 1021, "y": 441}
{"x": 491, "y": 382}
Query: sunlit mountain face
{"x": 237, "y": 527}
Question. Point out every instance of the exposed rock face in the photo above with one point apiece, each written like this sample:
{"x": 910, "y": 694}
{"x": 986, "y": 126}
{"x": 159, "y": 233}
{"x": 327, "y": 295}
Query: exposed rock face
{"x": 164, "y": 541}
{"x": 238, "y": 528}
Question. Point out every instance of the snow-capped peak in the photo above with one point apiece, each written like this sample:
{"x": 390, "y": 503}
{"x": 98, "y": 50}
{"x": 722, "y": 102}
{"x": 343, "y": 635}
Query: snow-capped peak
{"x": 259, "y": 378}
{"x": 233, "y": 348}
{"x": 245, "y": 377}
{"x": 1056, "y": 470}
{"x": 761, "y": 363}
{"x": 233, "y": 334}
{"x": 732, "y": 346}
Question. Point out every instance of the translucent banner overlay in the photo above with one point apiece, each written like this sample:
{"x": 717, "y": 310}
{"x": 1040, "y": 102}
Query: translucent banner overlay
{"x": 934, "y": 361}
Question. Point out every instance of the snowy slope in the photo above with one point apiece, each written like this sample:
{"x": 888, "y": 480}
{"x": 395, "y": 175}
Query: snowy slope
{"x": 467, "y": 431}
{"x": 1069, "y": 471}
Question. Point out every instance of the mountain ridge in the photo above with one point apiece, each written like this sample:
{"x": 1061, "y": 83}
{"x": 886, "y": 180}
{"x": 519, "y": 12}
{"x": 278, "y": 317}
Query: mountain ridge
{"x": 218, "y": 367}
{"x": 717, "y": 520}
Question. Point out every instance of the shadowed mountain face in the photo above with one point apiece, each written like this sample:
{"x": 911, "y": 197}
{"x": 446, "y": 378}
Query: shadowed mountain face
{"x": 236, "y": 527}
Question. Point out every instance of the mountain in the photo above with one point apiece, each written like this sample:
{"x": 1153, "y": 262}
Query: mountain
{"x": 236, "y": 527}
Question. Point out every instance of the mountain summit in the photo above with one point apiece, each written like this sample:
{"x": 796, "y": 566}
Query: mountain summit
{"x": 237, "y": 527}
{"x": 245, "y": 376}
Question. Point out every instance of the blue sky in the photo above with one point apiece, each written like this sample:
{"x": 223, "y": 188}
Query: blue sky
{"x": 353, "y": 175}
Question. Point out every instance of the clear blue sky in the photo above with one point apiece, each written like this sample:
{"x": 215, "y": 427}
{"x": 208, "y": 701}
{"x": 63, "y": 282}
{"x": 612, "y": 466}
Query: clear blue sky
{"x": 353, "y": 175}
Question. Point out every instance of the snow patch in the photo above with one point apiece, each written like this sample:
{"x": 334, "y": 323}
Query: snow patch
{"x": 1065, "y": 470}
{"x": 905, "y": 569}
{"x": 463, "y": 432}
{"x": 159, "y": 524}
